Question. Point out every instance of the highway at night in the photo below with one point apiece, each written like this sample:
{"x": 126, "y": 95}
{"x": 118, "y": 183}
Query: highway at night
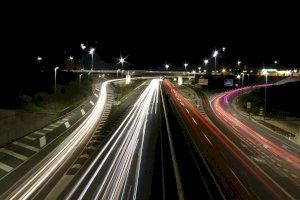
{"x": 277, "y": 156}
{"x": 149, "y": 147}
{"x": 156, "y": 100}
{"x": 235, "y": 170}
{"x": 115, "y": 171}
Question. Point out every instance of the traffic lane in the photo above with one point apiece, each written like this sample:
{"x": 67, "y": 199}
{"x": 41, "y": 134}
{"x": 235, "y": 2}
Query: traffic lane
{"x": 148, "y": 151}
{"x": 9, "y": 182}
{"x": 248, "y": 165}
{"x": 230, "y": 183}
{"x": 278, "y": 169}
{"x": 294, "y": 160}
{"x": 108, "y": 129}
{"x": 54, "y": 160}
{"x": 130, "y": 130}
{"x": 242, "y": 131}
{"x": 282, "y": 172}
{"x": 266, "y": 133}
{"x": 196, "y": 178}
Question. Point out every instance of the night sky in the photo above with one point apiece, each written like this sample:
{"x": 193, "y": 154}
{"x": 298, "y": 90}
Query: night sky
{"x": 151, "y": 33}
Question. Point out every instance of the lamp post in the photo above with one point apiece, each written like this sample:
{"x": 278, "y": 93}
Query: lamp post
{"x": 205, "y": 63}
{"x": 39, "y": 58}
{"x": 167, "y": 67}
{"x": 185, "y": 65}
{"x": 92, "y": 50}
{"x": 55, "y": 72}
{"x": 194, "y": 72}
{"x": 265, "y": 72}
{"x": 215, "y": 56}
{"x": 238, "y": 77}
{"x": 242, "y": 78}
{"x": 80, "y": 79}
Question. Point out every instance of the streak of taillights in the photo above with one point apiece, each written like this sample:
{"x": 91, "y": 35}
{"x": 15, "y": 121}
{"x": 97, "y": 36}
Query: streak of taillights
{"x": 275, "y": 189}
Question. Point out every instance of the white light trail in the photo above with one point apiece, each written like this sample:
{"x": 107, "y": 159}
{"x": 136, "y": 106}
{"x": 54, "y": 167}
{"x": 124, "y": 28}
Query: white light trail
{"x": 53, "y": 161}
{"x": 122, "y": 153}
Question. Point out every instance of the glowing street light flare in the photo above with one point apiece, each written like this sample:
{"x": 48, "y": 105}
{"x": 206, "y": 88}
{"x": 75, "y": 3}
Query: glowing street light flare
{"x": 224, "y": 48}
{"x": 185, "y": 65}
{"x": 215, "y": 54}
{"x": 71, "y": 57}
{"x": 167, "y": 66}
{"x": 92, "y": 50}
{"x": 82, "y": 46}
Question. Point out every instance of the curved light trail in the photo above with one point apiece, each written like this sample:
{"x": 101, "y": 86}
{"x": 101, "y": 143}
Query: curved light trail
{"x": 114, "y": 172}
{"x": 283, "y": 163}
{"x": 42, "y": 172}
{"x": 206, "y": 130}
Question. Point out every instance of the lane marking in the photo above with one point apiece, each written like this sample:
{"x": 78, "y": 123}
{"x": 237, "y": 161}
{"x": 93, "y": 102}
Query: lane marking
{"x": 14, "y": 154}
{"x": 294, "y": 176}
{"x": 82, "y": 112}
{"x": 30, "y": 138}
{"x": 26, "y": 146}
{"x": 96, "y": 95}
{"x": 39, "y": 133}
{"x": 208, "y": 139}
{"x": 54, "y": 125}
{"x": 5, "y": 167}
{"x": 47, "y": 129}
{"x": 194, "y": 120}
{"x": 92, "y": 103}
{"x": 286, "y": 170}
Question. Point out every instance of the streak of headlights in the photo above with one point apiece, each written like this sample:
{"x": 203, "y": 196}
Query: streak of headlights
{"x": 53, "y": 161}
{"x": 119, "y": 152}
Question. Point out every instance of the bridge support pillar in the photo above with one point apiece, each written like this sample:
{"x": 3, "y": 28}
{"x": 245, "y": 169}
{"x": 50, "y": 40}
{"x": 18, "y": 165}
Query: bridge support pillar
{"x": 128, "y": 79}
{"x": 179, "y": 80}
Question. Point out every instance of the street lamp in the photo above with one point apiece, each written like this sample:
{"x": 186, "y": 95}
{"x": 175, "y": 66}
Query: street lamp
{"x": 167, "y": 66}
{"x": 185, "y": 65}
{"x": 92, "y": 53}
{"x": 80, "y": 79}
{"x": 265, "y": 72}
{"x": 239, "y": 77}
{"x": 71, "y": 57}
{"x": 242, "y": 78}
{"x": 223, "y": 49}
{"x": 215, "y": 56}
{"x": 122, "y": 60}
{"x": 39, "y": 58}
{"x": 55, "y": 72}
{"x": 205, "y": 63}
{"x": 83, "y": 47}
